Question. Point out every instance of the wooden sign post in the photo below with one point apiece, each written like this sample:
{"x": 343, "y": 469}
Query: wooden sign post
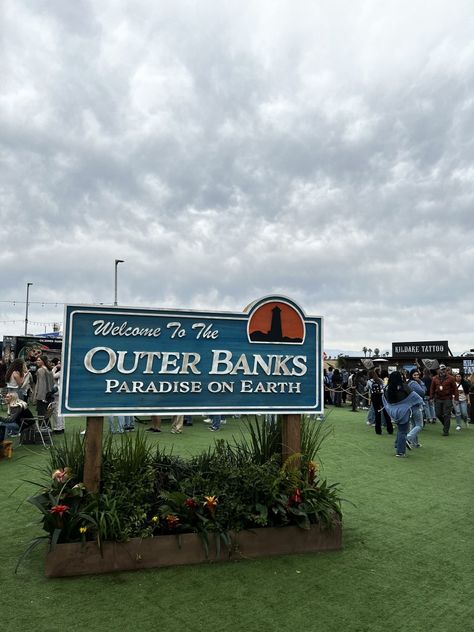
{"x": 291, "y": 439}
{"x": 93, "y": 453}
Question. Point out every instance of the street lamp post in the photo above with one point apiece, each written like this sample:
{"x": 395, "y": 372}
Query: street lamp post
{"x": 27, "y": 305}
{"x": 117, "y": 261}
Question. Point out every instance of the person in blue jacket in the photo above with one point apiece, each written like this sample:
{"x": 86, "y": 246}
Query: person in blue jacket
{"x": 416, "y": 384}
{"x": 398, "y": 401}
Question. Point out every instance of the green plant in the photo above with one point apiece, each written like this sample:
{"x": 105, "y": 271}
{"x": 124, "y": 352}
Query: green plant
{"x": 226, "y": 488}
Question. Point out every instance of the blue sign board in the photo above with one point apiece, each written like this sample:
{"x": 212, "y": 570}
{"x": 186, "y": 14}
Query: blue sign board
{"x": 119, "y": 360}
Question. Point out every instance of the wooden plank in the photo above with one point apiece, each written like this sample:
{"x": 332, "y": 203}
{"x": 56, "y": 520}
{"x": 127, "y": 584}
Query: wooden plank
{"x": 93, "y": 453}
{"x": 291, "y": 439}
{"x": 74, "y": 559}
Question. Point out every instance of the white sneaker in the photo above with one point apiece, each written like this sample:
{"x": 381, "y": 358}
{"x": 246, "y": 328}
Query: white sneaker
{"x": 207, "y": 420}
{"x": 83, "y": 432}
{"x": 458, "y": 427}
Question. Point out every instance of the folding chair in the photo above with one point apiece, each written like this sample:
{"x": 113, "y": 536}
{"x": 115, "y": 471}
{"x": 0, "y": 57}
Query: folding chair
{"x": 44, "y": 428}
{"x": 34, "y": 430}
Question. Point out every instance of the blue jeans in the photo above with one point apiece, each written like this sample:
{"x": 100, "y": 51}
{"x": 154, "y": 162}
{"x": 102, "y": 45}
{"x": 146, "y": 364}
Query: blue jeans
{"x": 129, "y": 422}
{"x": 429, "y": 409}
{"x": 460, "y": 410}
{"x": 120, "y": 423}
{"x": 417, "y": 421}
{"x": 402, "y": 429}
{"x": 371, "y": 415}
{"x": 7, "y": 428}
{"x": 216, "y": 422}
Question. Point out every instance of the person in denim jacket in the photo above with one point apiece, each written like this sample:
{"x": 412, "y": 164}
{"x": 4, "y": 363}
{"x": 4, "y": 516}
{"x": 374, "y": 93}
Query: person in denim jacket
{"x": 398, "y": 401}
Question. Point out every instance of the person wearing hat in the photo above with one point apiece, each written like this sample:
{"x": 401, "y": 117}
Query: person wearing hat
{"x": 443, "y": 390}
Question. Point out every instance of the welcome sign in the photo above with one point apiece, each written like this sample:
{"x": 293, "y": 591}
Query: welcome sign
{"x": 134, "y": 361}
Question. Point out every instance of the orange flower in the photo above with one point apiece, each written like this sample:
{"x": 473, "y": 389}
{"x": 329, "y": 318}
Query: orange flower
{"x": 172, "y": 521}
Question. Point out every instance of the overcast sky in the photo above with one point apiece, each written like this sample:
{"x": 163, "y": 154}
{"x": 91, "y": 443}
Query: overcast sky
{"x": 228, "y": 150}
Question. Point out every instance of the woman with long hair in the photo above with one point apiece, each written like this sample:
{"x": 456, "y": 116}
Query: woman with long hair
{"x": 398, "y": 401}
{"x": 15, "y": 375}
{"x": 44, "y": 384}
{"x": 18, "y": 413}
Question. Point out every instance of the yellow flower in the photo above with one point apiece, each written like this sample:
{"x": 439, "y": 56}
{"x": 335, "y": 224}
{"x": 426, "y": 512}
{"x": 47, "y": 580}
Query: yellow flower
{"x": 210, "y": 502}
{"x": 154, "y": 519}
{"x": 312, "y": 470}
{"x": 82, "y": 530}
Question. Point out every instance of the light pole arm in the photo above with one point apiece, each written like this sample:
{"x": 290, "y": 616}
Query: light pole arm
{"x": 117, "y": 261}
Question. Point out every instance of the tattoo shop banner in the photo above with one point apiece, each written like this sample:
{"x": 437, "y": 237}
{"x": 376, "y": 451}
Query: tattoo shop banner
{"x": 142, "y": 361}
{"x": 426, "y": 349}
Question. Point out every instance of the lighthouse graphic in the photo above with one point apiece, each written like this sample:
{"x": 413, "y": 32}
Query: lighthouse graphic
{"x": 275, "y": 332}
{"x": 276, "y": 322}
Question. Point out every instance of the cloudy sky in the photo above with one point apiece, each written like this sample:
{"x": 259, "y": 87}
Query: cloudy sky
{"x": 227, "y": 150}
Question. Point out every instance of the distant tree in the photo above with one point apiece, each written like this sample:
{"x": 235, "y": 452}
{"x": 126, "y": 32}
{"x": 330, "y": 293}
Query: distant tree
{"x": 376, "y": 352}
{"x": 364, "y": 351}
{"x": 369, "y": 351}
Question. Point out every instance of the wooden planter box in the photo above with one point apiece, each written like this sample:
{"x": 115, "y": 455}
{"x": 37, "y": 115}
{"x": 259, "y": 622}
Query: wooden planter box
{"x": 168, "y": 550}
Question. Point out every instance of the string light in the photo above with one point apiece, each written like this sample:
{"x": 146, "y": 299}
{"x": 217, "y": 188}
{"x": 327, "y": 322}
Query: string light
{"x": 32, "y": 322}
{"x": 43, "y": 303}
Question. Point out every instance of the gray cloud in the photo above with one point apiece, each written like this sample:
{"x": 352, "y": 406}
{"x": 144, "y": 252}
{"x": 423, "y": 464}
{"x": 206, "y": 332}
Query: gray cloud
{"x": 226, "y": 152}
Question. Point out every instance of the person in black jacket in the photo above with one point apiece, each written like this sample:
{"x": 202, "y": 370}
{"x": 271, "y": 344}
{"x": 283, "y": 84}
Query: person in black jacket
{"x": 337, "y": 387}
{"x": 376, "y": 391}
{"x": 18, "y": 414}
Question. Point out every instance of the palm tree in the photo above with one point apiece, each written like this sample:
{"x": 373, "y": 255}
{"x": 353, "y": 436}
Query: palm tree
{"x": 376, "y": 352}
{"x": 364, "y": 351}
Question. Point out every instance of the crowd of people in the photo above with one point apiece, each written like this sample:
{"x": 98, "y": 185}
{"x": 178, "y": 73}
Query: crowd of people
{"x": 35, "y": 384}
{"x": 408, "y": 400}
{"x": 403, "y": 400}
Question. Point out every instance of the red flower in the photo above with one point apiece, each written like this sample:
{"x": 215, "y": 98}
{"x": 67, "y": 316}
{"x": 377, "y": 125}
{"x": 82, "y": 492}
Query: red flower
{"x": 59, "y": 509}
{"x": 296, "y": 498}
{"x": 190, "y": 503}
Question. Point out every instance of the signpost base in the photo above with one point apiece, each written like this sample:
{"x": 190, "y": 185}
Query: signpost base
{"x": 93, "y": 453}
{"x": 291, "y": 439}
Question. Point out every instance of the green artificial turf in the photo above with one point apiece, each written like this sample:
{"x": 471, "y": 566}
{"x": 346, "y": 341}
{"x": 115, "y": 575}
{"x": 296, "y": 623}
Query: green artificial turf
{"x": 406, "y": 562}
